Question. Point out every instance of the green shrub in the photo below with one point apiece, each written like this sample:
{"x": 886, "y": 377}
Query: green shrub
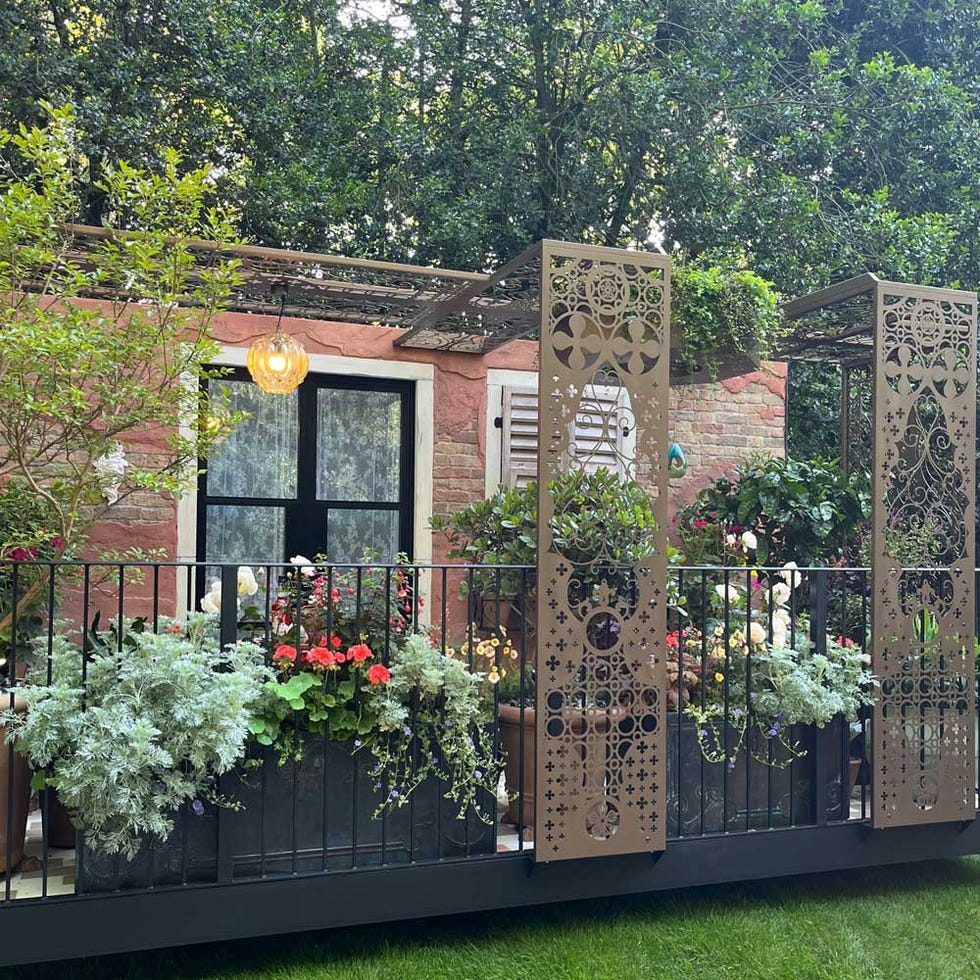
{"x": 799, "y": 510}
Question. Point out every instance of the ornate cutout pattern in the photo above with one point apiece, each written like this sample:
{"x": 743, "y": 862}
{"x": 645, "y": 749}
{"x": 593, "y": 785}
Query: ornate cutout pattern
{"x": 922, "y": 642}
{"x": 600, "y": 783}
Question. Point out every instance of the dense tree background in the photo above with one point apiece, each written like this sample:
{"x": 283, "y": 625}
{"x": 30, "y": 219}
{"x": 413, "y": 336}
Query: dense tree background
{"x": 819, "y": 139}
{"x": 815, "y": 140}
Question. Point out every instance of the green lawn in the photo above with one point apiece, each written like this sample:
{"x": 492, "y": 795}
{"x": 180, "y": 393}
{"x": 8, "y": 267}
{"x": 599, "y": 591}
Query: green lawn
{"x": 920, "y": 921}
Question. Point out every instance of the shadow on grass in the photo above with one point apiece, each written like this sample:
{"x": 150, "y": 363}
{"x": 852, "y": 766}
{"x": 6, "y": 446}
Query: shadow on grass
{"x": 282, "y": 955}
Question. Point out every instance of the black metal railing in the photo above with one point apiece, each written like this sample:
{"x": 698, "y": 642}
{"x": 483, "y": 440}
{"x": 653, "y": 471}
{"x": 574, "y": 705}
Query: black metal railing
{"x": 316, "y": 813}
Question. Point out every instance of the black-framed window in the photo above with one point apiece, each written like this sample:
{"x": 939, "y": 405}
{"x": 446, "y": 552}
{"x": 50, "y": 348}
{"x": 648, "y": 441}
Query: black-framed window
{"x": 328, "y": 468}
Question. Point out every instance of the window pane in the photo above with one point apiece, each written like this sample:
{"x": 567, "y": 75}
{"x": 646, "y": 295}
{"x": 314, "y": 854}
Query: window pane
{"x": 259, "y": 458}
{"x": 352, "y": 533}
{"x": 359, "y": 440}
{"x": 245, "y": 533}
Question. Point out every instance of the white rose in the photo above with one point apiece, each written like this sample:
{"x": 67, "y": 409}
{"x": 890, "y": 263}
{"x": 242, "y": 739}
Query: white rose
{"x": 780, "y": 594}
{"x": 757, "y": 635}
{"x": 789, "y": 574}
{"x": 732, "y": 593}
{"x": 246, "y": 581}
{"x": 780, "y": 618}
{"x": 778, "y": 634}
{"x": 749, "y": 541}
{"x": 211, "y": 603}
{"x": 730, "y": 540}
{"x": 303, "y": 565}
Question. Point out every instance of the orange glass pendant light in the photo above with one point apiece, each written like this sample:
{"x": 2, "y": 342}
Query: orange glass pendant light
{"x": 277, "y": 362}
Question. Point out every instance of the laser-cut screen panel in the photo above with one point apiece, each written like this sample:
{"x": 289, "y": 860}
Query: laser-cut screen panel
{"x": 600, "y": 772}
{"x": 923, "y": 609}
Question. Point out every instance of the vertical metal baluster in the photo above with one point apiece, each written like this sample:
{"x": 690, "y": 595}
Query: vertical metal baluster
{"x": 384, "y": 658}
{"x": 156, "y": 598}
{"x": 680, "y": 696}
{"x": 769, "y": 748}
{"x": 865, "y": 761}
{"x": 298, "y": 621}
{"x": 265, "y": 752}
{"x": 12, "y": 682}
{"x": 358, "y": 599}
{"x": 792, "y": 646}
{"x": 748, "y": 699}
{"x": 46, "y": 794}
{"x": 121, "y": 610}
{"x": 725, "y": 725}
{"x": 522, "y": 694}
{"x": 325, "y": 825}
{"x": 442, "y": 622}
{"x": 704, "y": 668}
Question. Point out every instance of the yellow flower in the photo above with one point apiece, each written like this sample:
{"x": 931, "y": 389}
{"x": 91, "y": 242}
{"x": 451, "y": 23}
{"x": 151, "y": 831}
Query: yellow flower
{"x": 719, "y": 677}
{"x": 494, "y": 642}
{"x": 493, "y": 677}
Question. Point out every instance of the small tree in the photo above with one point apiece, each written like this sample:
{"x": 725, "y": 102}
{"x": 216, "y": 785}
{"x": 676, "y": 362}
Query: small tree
{"x": 82, "y": 379}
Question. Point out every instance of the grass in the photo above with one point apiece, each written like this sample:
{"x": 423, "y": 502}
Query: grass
{"x": 915, "y": 921}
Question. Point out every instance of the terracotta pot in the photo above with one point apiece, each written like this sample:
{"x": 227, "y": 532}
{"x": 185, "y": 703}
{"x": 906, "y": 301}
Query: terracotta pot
{"x": 15, "y": 787}
{"x": 509, "y": 722}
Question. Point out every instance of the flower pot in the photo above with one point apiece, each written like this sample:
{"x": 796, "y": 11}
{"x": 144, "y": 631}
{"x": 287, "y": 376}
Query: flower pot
{"x": 520, "y": 809}
{"x": 15, "y": 793}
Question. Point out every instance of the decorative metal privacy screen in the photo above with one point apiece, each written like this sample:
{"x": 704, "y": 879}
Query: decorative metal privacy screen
{"x": 923, "y": 563}
{"x": 600, "y": 761}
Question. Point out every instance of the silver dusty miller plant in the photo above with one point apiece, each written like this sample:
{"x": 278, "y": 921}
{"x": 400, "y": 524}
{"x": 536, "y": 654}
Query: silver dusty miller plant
{"x": 157, "y": 719}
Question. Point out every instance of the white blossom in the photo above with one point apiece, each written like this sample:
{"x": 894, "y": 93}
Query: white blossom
{"x": 303, "y": 565}
{"x": 789, "y": 574}
{"x": 247, "y": 584}
{"x": 749, "y": 541}
{"x": 111, "y": 468}
{"x": 780, "y": 594}
{"x": 211, "y": 603}
{"x": 757, "y": 635}
{"x": 733, "y": 594}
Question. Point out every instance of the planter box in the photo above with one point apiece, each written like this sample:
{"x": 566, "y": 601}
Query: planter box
{"x": 707, "y": 797}
{"x": 313, "y": 815}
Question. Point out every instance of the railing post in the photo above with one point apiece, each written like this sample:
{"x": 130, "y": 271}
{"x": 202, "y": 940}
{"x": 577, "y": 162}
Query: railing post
{"x": 822, "y": 746}
{"x": 227, "y": 634}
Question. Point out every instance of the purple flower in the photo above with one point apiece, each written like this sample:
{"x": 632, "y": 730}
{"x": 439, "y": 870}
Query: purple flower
{"x": 408, "y": 731}
{"x": 198, "y": 807}
{"x": 739, "y": 712}
{"x": 477, "y": 774}
{"x": 377, "y": 786}
{"x": 161, "y": 787}
{"x": 394, "y": 794}
{"x": 357, "y": 743}
{"x": 435, "y": 761}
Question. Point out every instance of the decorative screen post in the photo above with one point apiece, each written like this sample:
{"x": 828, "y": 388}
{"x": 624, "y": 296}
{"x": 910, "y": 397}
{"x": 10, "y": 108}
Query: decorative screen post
{"x": 923, "y": 561}
{"x": 600, "y": 756}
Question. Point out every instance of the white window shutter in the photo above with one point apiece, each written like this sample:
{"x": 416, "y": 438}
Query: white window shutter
{"x": 598, "y": 437}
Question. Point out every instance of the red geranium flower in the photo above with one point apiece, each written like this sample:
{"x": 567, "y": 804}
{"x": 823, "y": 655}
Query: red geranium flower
{"x": 320, "y": 657}
{"x": 359, "y": 653}
{"x": 379, "y": 674}
{"x": 336, "y": 642}
{"x": 285, "y": 652}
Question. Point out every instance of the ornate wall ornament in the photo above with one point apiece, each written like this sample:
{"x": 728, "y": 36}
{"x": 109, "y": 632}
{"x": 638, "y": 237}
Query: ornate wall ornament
{"x": 601, "y": 761}
{"x": 922, "y": 627}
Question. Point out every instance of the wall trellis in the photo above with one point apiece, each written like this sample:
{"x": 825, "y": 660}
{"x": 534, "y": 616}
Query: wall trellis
{"x": 601, "y": 763}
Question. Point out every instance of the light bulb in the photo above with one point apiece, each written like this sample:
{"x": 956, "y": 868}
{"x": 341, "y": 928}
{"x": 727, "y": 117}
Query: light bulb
{"x": 276, "y": 363}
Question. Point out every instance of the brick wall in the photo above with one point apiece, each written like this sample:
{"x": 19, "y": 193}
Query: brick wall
{"x": 717, "y": 425}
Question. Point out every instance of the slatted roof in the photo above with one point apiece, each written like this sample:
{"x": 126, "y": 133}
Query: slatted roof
{"x": 440, "y": 309}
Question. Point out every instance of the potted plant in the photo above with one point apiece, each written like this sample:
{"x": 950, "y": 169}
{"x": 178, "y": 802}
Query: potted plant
{"x": 596, "y": 514}
{"x": 724, "y": 321}
{"x": 156, "y": 720}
